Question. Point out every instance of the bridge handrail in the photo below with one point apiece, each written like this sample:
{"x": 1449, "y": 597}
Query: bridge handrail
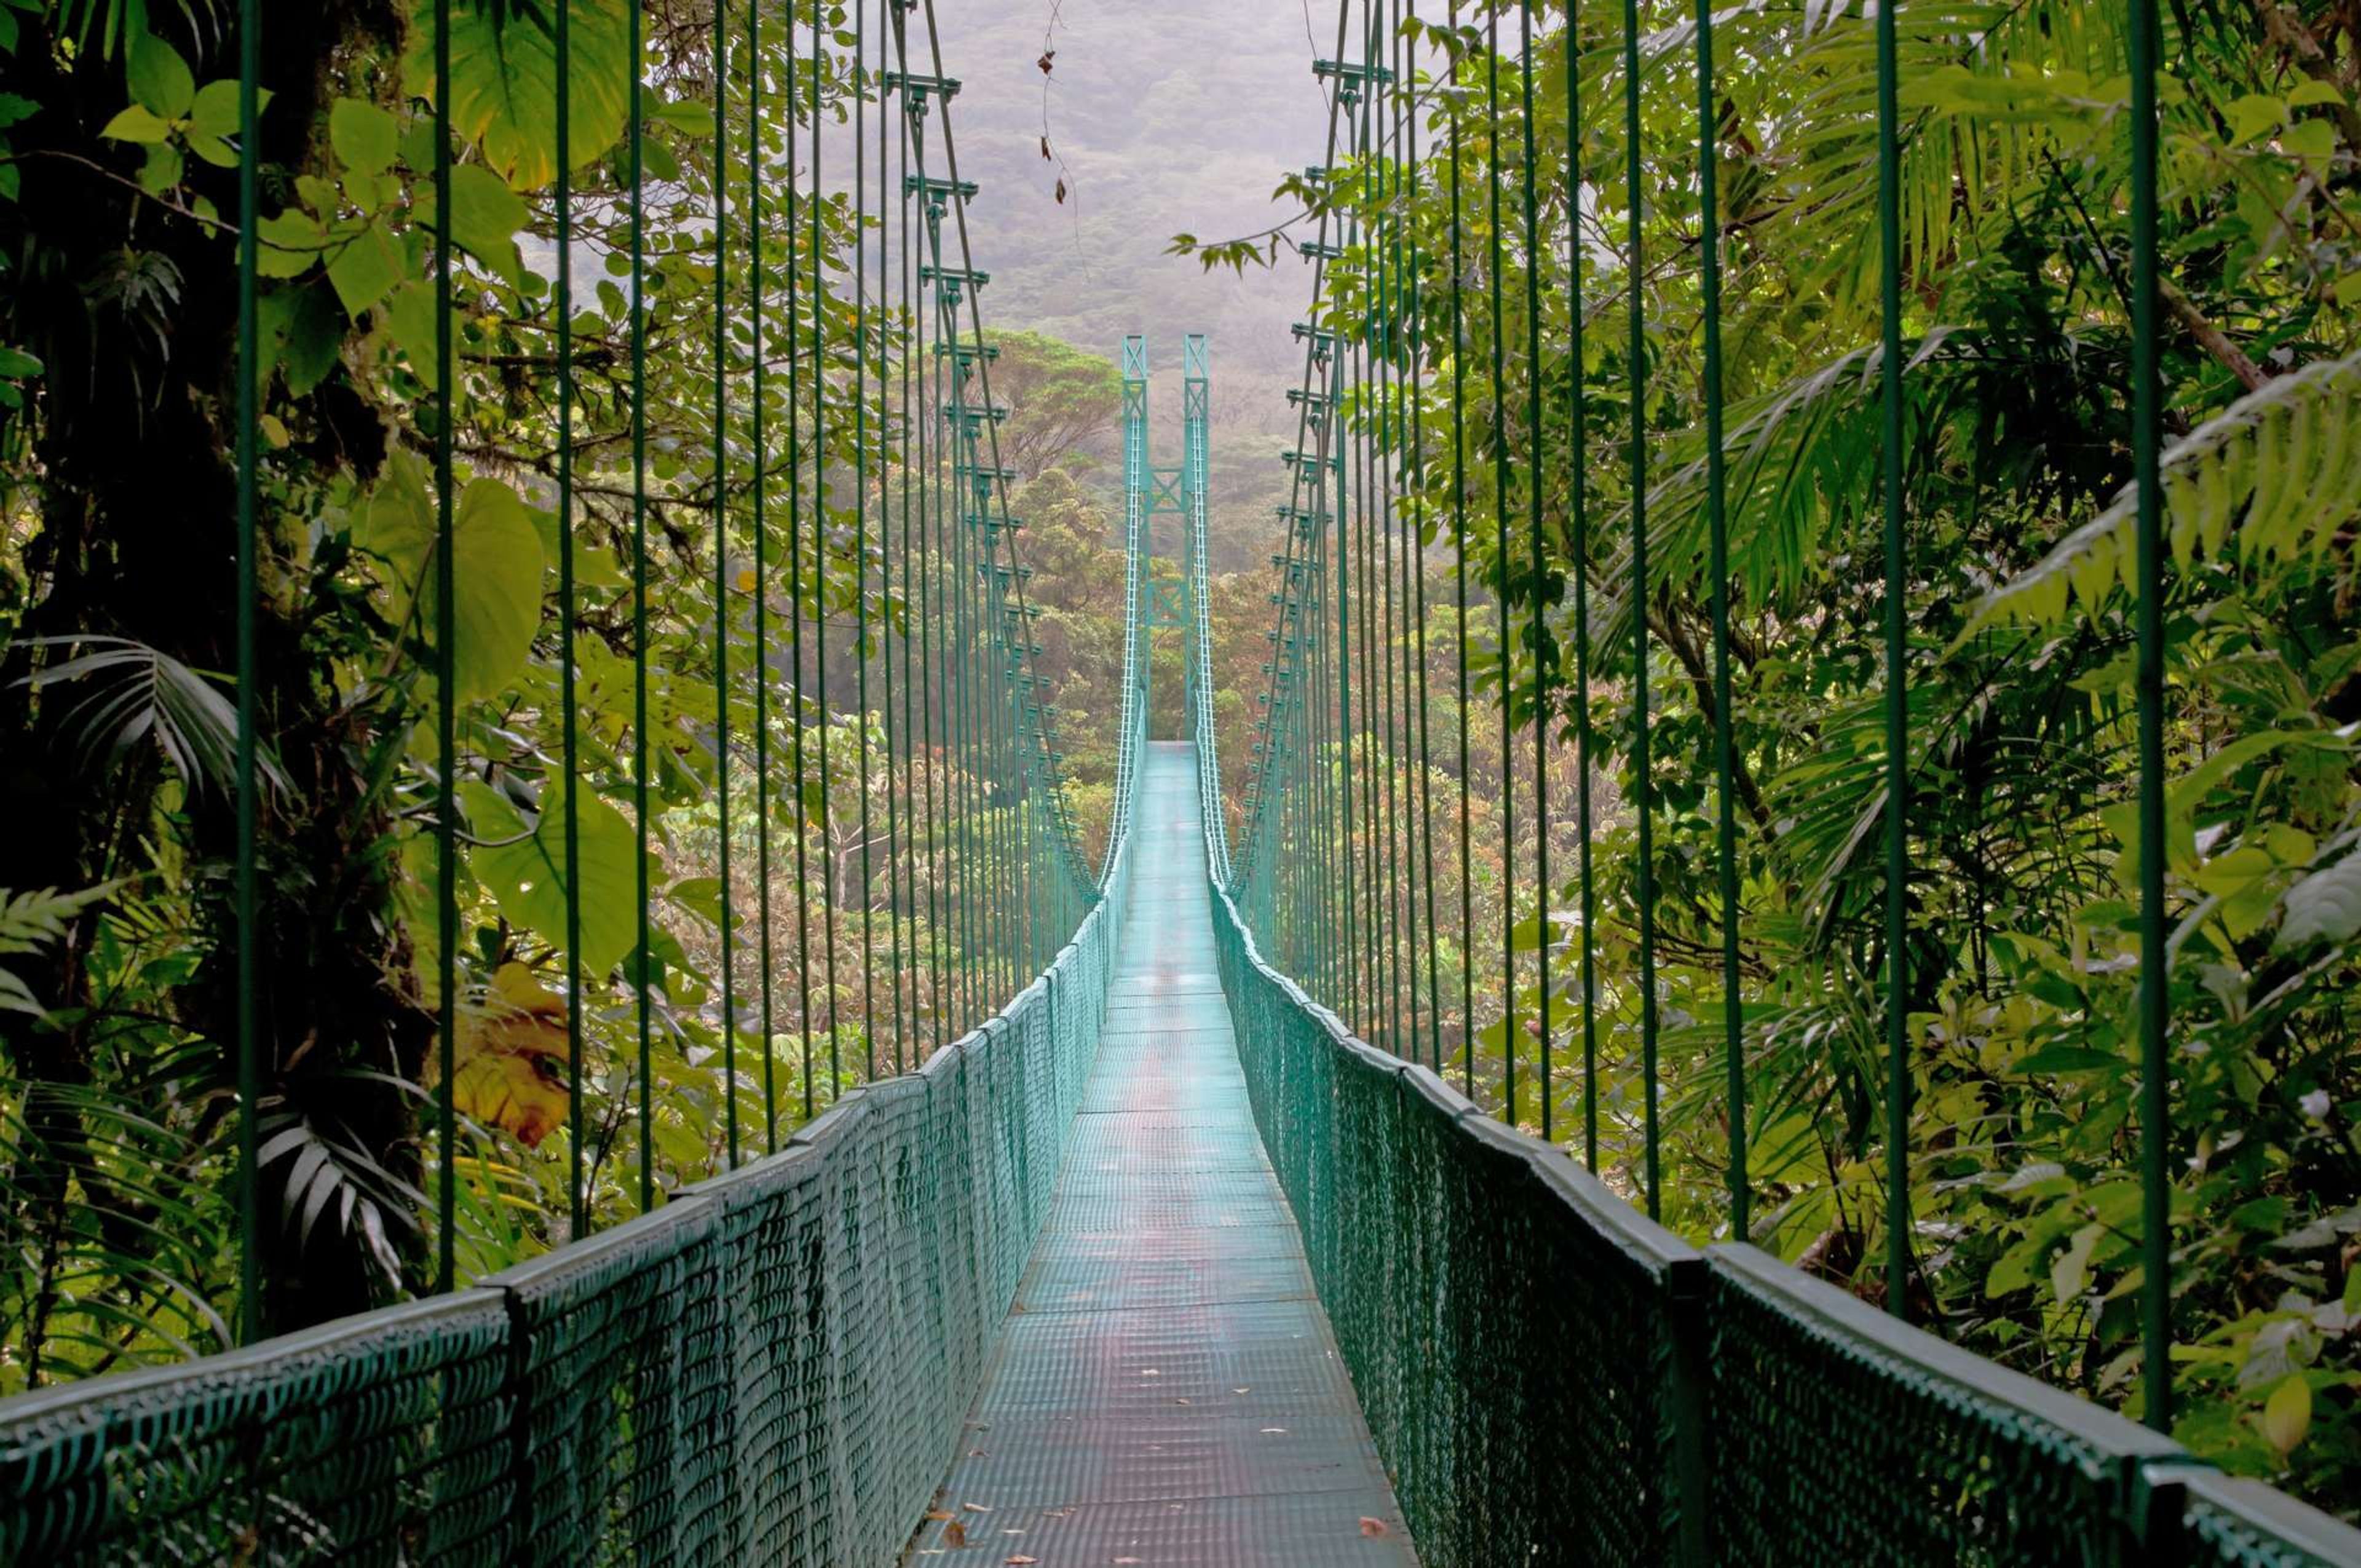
{"x": 1551, "y": 1377}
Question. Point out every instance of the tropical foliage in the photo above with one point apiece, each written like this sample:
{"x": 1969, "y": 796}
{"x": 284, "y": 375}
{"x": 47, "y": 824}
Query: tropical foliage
{"x": 2023, "y": 1147}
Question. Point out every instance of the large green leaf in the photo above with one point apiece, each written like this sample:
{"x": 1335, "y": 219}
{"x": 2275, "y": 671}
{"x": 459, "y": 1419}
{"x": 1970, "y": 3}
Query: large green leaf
{"x": 485, "y": 217}
{"x": 365, "y": 137}
{"x": 504, "y": 81}
{"x": 496, "y": 568}
{"x": 159, "y": 79}
{"x": 365, "y": 260}
{"x": 2324, "y": 906}
{"x": 526, "y": 870}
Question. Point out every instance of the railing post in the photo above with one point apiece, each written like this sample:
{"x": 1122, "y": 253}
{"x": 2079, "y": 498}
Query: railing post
{"x": 1688, "y": 1373}
{"x": 519, "y": 1391}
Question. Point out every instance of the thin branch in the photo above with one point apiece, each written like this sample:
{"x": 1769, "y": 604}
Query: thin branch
{"x": 104, "y": 172}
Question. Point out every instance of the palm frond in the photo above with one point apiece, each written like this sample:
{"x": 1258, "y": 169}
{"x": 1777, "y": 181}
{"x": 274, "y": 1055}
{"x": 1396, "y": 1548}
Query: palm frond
{"x": 134, "y": 695}
{"x": 30, "y": 922}
{"x": 2282, "y": 465}
{"x": 1793, "y": 454}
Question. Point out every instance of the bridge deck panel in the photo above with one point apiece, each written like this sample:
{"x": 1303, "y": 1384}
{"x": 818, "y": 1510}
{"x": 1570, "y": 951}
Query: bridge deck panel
{"x": 1167, "y": 1392}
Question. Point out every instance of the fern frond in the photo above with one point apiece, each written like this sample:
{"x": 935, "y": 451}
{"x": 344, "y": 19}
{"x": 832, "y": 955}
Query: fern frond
{"x": 2270, "y": 480}
{"x": 30, "y": 922}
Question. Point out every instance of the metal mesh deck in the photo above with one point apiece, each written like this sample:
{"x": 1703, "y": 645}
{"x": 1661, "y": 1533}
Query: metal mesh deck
{"x": 1167, "y": 1390}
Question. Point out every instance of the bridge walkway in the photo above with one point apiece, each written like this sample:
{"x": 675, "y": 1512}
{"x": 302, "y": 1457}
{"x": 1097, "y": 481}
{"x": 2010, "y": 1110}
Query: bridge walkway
{"x": 1166, "y": 1391}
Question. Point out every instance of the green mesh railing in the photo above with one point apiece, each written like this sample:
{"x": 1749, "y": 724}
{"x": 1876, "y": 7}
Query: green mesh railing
{"x": 772, "y": 1367}
{"x": 1552, "y": 1378}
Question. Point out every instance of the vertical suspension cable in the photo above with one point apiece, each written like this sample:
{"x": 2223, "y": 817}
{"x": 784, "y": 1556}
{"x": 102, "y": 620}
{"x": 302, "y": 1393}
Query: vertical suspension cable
{"x": 1717, "y": 553}
{"x": 1578, "y": 420}
{"x": 819, "y": 533}
{"x": 644, "y": 980}
{"x": 1381, "y": 512}
{"x": 248, "y": 543}
{"x": 1398, "y": 476}
{"x": 1537, "y": 631}
{"x": 904, "y": 1055}
{"x": 1498, "y": 434}
{"x": 1337, "y": 508}
{"x": 570, "y": 743}
{"x": 930, "y": 722}
{"x": 758, "y": 436}
{"x": 1459, "y": 559}
{"x": 721, "y": 567}
{"x": 1897, "y": 715}
{"x": 1363, "y": 453}
{"x": 447, "y": 722}
{"x": 861, "y": 81}
{"x": 795, "y": 597}
{"x": 1636, "y": 354}
{"x": 1416, "y": 544}
{"x": 906, "y": 897}
{"x": 1353, "y": 754}
{"x": 976, "y": 856}
{"x": 962, "y": 677}
{"x": 2156, "y": 955}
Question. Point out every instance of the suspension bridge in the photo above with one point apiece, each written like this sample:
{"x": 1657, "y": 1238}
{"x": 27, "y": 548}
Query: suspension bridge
{"x": 1100, "y": 1231}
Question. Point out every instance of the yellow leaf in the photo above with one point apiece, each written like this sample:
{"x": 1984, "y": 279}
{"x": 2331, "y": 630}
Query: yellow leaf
{"x": 510, "y": 1064}
{"x": 2288, "y": 1414}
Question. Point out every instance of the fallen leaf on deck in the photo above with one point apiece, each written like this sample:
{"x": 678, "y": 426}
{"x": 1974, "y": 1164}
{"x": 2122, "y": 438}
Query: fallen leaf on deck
{"x": 954, "y": 1534}
{"x": 1374, "y": 1527}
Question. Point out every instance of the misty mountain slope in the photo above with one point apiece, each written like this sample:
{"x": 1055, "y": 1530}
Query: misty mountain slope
{"x": 1169, "y": 118}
